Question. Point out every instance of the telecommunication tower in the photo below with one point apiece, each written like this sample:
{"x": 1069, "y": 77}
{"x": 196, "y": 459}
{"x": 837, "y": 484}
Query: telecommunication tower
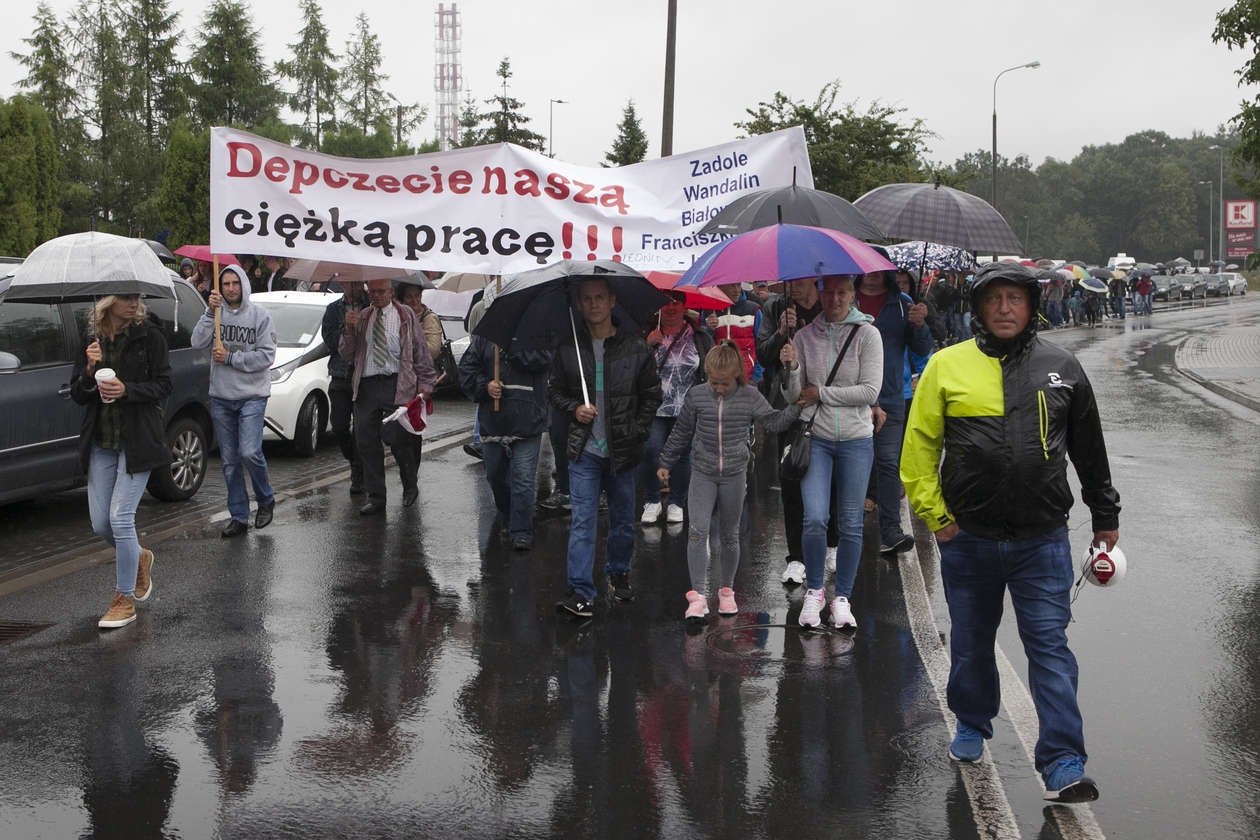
{"x": 448, "y": 76}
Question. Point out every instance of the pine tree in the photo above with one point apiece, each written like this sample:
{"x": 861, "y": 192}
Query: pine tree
{"x": 314, "y": 74}
{"x": 362, "y": 79}
{"x": 506, "y": 122}
{"x": 631, "y": 144}
{"x": 470, "y": 133}
{"x": 159, "y": 82}
{"x": 231, "y": 84}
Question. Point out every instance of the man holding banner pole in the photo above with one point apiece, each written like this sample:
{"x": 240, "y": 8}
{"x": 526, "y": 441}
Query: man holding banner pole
{"x": 392, "y": 366}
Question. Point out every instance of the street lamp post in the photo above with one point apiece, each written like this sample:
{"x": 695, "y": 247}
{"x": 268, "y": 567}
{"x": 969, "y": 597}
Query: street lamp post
{"x": 1027, "y": 235}
{"x": 1033, "y": 65}
{"x": 551, "y": 123}
{"x": 1220, "y": 195}
{"x": 1211, "y": 210}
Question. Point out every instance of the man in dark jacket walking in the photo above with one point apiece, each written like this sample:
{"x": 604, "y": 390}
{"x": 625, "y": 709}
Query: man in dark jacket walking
{"x": 902, "y": 324}
{"x": 1009, "y": 410}
{"x": 340, "y": 391}
{"x": 612, "y": 418}
{"x": 513, "y": 411}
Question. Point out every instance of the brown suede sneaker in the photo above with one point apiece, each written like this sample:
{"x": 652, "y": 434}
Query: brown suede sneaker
{"x": 144, "y": 576}
{"x": 121, "y": 613}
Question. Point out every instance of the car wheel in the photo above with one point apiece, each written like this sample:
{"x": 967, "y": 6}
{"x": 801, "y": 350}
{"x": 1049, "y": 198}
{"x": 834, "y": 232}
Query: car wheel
{"x": 189, "y": 456}
{"x": 310, "y": 425}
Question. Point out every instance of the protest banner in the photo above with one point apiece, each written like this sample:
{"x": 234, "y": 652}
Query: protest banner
{"x": 487, "y": 209}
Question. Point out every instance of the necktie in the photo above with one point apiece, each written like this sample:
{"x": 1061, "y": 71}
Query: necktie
{"x": 380, "y": 349}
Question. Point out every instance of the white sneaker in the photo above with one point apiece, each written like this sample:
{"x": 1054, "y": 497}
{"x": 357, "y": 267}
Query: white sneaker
{"x": 651, "y": 513}
{"x": 811, "y": 608}
{"x": 831, "y": 559}
{"x": 673, "y": 513}
{"x": 841, "y": 613}
{"x": 794, "y": 573}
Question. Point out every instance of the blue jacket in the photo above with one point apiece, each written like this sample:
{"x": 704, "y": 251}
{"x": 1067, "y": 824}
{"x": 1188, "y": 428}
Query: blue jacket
{"x": 893, "y": 323}
{"x": 914, "y": 364}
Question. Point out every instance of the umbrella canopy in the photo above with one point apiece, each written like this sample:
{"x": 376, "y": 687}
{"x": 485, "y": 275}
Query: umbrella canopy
{"x": 939, "y": 214}
{"x": 783, "y": 252}
{"x": 931, "y": 256}
{"x": 202, "y": 253}
{"x": 462, "y": 281}
{"x": 534, "y": 308}
{"x": 449, "y": 304}
{"x": 1103, "y": 274}
{"x": 1075, "y": 271}
{"x": 695, "y": 297}
{"x": 1081, "y": 263}
{"x": 1093, "y": 284}
{"x": 322, "y": 272}
{"x": 1146, "y": 265}
{"x": 1046, "y": 275}
{"x": 413, "y": 278}
{"x": 161, "y": 251}
{"x": 1118, "y": 275}
{"x": 92, "y": 264}
{"x": 1046, "y": 263}
{"x": 1180, "y": 261}
{"x": 794, "y": 205}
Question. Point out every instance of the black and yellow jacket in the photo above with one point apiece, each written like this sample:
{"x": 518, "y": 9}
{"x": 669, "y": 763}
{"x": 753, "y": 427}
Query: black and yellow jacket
{"x": 1007, "y": 425}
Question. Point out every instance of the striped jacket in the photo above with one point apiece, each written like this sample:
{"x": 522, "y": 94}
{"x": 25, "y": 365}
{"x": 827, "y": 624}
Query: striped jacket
{"x": 739, "y": 323}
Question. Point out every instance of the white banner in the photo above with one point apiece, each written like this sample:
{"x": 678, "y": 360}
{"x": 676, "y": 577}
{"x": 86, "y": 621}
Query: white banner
{"x": 489, "y": 209}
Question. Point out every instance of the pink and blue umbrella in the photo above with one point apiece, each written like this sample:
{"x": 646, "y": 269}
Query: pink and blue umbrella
{"x": 783, "y": 252}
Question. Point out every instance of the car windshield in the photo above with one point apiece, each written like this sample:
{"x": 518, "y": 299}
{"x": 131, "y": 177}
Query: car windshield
{"x": 296, "y": 324}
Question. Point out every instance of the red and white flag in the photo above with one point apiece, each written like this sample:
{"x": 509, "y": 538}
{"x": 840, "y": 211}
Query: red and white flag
{"x": 411, "y": 416}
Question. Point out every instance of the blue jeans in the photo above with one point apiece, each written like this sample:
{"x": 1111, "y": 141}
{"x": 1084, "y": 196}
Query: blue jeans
{"x": 851, "y": 461}
{"x": 512, "y": 470}
{"x": 976, "y": 573}
{"x": 113, "y": 496}
{"x": 587, "y": 476}
{"x": 961, "y": 323}
{"x": 679, "y": 475}
{"x": 238, "y": 424}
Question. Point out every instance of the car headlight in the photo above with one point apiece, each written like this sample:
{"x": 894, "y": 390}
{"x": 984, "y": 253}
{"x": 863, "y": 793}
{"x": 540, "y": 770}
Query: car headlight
{"x": 284, "y": 371}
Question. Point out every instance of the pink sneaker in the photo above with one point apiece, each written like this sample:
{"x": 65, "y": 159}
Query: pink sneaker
{"x": 726, "y": 601}
{"x": 697, "y": 606}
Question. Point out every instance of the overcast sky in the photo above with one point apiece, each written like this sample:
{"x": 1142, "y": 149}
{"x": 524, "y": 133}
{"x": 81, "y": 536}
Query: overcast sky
{"x": 1107, "y": 69}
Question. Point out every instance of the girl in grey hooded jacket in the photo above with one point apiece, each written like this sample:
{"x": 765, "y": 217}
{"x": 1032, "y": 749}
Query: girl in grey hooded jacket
{"x": 714, "y": 424}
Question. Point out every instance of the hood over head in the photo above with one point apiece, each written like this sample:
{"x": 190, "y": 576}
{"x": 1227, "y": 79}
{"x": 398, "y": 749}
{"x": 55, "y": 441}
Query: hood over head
{"x": 239, "y": 272}
{"x": 1004, "y": 272}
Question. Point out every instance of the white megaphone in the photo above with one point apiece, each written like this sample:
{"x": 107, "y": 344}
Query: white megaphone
{"x": 1104, "y": 567}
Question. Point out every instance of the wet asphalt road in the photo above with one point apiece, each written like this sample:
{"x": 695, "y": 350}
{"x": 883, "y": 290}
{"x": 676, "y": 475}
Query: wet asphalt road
{"x": 331, "y": 677}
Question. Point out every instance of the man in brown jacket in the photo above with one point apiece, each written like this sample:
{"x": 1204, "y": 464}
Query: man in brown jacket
{"x": 392, "y": 366}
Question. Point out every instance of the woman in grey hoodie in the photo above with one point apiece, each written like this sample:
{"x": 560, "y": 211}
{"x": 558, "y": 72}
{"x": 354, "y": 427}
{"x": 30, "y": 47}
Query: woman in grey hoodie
{"x": 713, "y": 425}
{"x": 842, "y": 437}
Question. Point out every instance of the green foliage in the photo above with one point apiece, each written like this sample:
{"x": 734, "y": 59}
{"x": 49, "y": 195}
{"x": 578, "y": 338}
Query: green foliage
{"x": 1238, "y": 27}
{"x": 362, "y": 79}
{"x": 503, "y": 123}
{"x": 850, "y": 151}
{"x": 314, "y": 75}
{"x": 349, "y": 141}
{"x": 28, "y": 177}
{"x": 631, "y": 144}
{"x": 231, "y": 84}
{"x": 184, "y": 197}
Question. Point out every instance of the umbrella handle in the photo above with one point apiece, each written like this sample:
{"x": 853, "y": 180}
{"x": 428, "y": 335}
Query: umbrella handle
{"x": 218, "y": 340}
{"x": 586, "y": 397}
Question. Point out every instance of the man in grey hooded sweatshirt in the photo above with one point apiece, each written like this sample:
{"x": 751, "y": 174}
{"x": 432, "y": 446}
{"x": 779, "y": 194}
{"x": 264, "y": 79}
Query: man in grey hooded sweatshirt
{"x": 240, "y": 383}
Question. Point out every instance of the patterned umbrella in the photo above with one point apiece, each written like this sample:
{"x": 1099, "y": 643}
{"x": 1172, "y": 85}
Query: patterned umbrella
{"x": 934, "y": 213}
{"x": 1075, "y": 271}
{"x": 931, "y": 256}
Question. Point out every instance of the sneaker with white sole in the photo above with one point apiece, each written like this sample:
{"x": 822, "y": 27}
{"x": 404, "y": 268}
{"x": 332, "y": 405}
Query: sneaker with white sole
{"x": 831, "y": 559}
{"x": 673, "y": 513}
{"x": 697, "y": 607}
{"x": 842, "y": 613}
{"x": 1066, "y": 782}
{"x": 811, "y": 608}
{"x": 794, "y": 573}
{"x": 651, "y": 513}
{"x": 898, "y": 545}
{"x": 121, "y": 613}
{"x": 726, "y": 601}
{"x": 968, "y": 744}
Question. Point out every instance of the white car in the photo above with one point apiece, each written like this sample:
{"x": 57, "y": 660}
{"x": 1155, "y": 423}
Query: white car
{"x": 298, "y": 408}
{"x": 1237, "y": 283}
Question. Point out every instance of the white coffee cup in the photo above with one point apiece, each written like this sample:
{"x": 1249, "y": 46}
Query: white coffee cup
{"x": 105, "y": 375}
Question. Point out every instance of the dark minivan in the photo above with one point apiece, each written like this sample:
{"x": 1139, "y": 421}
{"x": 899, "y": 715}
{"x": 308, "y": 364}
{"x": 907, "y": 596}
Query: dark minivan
{"x": 39, "y": 423}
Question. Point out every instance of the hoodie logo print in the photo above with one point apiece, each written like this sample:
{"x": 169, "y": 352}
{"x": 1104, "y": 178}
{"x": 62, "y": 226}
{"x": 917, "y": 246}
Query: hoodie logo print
{"x": 1057, "y": 382}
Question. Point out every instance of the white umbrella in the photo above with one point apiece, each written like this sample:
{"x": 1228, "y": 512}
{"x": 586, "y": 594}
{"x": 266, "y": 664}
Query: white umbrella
{"x": 449, "y": 304}
{"x": 462, "y": 281}
{"x": 319, "y": 272}
{"x": 92, "y": 264}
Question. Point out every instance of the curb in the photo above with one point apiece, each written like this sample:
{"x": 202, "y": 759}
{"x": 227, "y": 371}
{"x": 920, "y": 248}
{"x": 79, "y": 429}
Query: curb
{"x": 1217, "y": 388}
{"x": 60, "y": 565}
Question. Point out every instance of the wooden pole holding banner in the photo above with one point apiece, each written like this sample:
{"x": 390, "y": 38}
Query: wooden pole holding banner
{"x": 498, "y": 287}
{"x": 218, "y": 341}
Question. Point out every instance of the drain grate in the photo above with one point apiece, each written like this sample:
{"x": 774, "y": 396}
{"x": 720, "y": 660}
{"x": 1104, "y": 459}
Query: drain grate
{"x": 11, "y": 631}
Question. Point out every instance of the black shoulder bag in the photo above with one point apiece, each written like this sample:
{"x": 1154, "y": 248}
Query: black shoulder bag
{"x": 795, "y": 461}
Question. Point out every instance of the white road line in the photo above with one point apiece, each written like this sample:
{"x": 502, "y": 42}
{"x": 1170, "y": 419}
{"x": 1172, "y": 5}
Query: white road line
{"x": 989, "y": 804}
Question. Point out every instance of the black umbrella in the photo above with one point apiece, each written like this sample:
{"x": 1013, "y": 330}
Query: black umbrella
{"x": 161, "y": 251}
{"x": 534, "y": 307}
{"x": 1103, "y": 274}
{"x": 935, "y": 213}
{"x": 795, "y": 206}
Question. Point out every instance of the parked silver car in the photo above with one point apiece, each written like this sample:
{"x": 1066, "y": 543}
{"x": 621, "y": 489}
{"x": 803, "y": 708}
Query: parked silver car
{"x": 1237, "y": 283}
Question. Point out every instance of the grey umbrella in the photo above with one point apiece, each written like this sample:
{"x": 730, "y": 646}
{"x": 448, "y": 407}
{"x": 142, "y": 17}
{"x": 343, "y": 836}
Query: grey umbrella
{"x": 934, "y": 213}
{"x": 795, "y": 206}
{"x": 163, "y": 253}
{"x": 92, "y": 264}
